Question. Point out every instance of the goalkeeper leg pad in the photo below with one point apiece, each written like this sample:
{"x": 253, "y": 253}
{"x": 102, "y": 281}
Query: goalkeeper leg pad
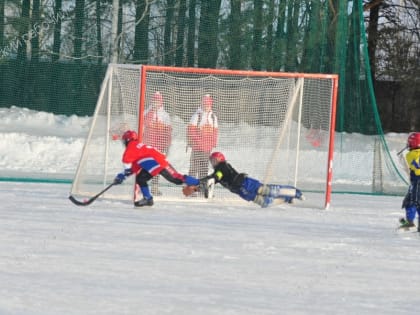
{"x": 263, "y": 201}
{"x": 280, "y": 191}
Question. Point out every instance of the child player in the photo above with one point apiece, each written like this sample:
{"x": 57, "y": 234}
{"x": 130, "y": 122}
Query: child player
{"x": 411, "y": 202}
{"x": 247, "y": 188}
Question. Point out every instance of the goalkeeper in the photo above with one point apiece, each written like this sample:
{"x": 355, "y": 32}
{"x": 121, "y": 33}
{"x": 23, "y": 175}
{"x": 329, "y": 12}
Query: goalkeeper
{"x": 246, "y": 187}
{"x": 147, "y": 162}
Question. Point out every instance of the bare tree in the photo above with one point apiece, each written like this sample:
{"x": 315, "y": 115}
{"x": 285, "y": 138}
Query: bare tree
{"x": 191, "y": 34}
{"x": 1, "y": 24}
{"x": 235, "y": 35}
{"x": 180, "y": 33}
{"x": 57, "y": 30}
{"x": 394, "y": 46}
{"x": 167, "y": 35}
{"x": 372, "y": 30}
{"x": 292, "y": 32}
{"x": 280, "y": 37}
{"x": 256, "y": 62}
{"x": 141, "y": 35}
{"x": 270, "y": 37}
{"x": 99, "y": 47}
{"x": 207, "y": 33}
{"x": 36, "y": 22}
{"x": 23, "y": 30}
{"x": 78, "y": 29}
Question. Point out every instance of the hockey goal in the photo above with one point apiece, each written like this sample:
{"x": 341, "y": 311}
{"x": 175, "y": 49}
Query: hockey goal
{"x": 276, "y": 127}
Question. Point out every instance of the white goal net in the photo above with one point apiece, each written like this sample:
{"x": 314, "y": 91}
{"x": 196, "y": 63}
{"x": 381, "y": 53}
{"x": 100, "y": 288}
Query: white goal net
{"x": 276, "y": 127}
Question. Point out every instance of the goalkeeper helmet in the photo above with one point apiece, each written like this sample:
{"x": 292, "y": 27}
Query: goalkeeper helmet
{"x": 216, "y": 158}
{"x": 128, "y": 136}
{"x": 413, "y": 141}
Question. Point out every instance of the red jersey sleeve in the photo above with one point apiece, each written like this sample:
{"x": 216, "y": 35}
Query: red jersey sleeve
{"x": 139, "y": 156}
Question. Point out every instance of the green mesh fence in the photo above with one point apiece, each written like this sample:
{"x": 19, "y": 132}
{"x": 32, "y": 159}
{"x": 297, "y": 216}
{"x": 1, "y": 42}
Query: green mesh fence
{"x": 53, "y": 57}
{"x": 59, "y": 88}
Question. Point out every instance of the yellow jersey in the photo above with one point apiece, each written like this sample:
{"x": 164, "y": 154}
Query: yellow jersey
{"x": 413, "y": 162}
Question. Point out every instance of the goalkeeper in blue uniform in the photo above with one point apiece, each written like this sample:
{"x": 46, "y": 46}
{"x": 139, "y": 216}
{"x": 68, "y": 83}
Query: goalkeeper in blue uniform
{"x": 411, "y": 202}
{"x": 246, "y": 187}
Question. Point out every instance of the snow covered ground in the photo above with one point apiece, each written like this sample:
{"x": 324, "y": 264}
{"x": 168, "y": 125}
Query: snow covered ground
{"x": 195, "y": 258}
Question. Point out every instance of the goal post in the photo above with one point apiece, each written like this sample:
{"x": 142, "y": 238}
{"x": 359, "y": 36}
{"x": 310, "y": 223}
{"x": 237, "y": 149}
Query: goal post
{"x": 276, "y": 127}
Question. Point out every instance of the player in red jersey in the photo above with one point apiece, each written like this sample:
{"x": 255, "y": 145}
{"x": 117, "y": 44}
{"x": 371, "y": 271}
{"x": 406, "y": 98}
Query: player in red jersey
{"x": 147, "y": 162}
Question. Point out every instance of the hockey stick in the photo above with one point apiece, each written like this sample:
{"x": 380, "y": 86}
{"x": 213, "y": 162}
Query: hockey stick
{"x": 405, "y": 148}
{"x": 89, "y": 201}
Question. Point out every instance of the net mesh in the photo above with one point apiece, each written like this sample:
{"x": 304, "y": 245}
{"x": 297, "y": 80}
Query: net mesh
{"x": 265, "y": 124}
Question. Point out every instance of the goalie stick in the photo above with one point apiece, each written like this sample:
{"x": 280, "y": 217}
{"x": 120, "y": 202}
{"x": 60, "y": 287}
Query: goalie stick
{"x": 92, "y": 199}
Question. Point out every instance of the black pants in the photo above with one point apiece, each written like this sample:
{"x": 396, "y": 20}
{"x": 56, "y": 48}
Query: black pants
{"x": 155, "y": 180}
{"x": 169, "y": 173}
{"x": 413, "y": 196}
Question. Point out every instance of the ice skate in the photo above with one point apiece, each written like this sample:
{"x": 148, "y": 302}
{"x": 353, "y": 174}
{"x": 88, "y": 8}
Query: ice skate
{"x": 144, "y": 202}
{"x": 406, "y": 224}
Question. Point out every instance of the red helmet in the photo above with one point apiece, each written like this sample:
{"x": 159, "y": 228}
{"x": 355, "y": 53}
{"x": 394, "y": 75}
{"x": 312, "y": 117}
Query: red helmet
{"x": 216, "y": 158}
{"x": 413, "y": 141}
{"x": 207, "y": 100}
{"x": 128, "y": 136}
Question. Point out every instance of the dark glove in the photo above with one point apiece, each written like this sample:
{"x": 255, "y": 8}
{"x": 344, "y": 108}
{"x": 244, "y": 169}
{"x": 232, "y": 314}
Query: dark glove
{"x": 119, "y": 179}
{"x": 121, "y": 176}
{"x": 128, "y": 172}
